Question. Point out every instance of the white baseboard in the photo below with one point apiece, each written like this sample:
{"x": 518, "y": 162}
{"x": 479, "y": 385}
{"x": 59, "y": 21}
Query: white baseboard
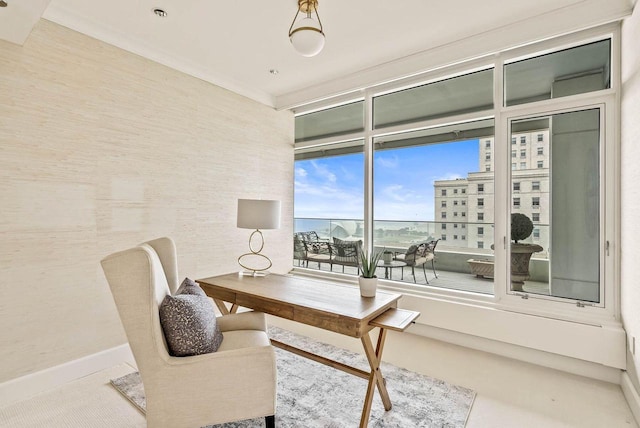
{"x": 631, "y": 394}
{"x": 25, "y": 387}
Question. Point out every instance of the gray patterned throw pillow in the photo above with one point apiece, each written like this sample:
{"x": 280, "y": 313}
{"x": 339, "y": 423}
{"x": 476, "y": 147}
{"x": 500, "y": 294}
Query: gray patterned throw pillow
{"x": 189, "y": 286}
{"x": 189, "y": 325}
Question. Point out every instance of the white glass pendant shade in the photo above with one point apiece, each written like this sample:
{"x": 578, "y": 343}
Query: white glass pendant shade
{"x": 307, "y": 39}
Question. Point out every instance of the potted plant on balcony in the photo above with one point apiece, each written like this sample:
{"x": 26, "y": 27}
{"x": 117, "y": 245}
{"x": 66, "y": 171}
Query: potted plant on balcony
{"x": 521, "y": 228}
{"x": 368, "y": 281}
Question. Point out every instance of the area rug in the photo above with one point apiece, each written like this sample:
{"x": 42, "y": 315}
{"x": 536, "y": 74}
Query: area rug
{"x": 313, "y": 395}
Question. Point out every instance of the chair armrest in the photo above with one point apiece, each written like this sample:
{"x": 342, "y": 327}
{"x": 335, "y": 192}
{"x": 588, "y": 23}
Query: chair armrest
{"x": 243, "y": 321}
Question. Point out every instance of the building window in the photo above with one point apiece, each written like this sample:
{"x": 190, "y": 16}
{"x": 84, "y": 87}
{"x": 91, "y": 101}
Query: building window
{"x": 480, "y": 188}
{"x": 463, "y": 237}
{"x": 480, "y": 202}
{"x": 535, "y": 185}
{"x": 487, "y": 156}
{"x": 535, "y": 202}
{"x": 480, "y": 244}
{"x": 455, "y": 225}
{"x": 455, "y": 214}
{"x": 487, "y": 144}
{"x": 514, "y": 154}
{"x": 523, "y": 154}
{"x": 463, "y": 203}
{"x": 455, "y": 202}
{"x": 540, "y": 137}
{"x": 443, "y": 204}
{"x": 463, "y": 214}
{"x": 523, "y": 165}
{"x": 444, "y": 192}
{"x": 536, "y": 232}
{"x": 487, "y": 168}
{"x": 481, "y": 231}
{"x": 523, "y": 141}
{"x": 464, "y": 191}
{"x": 455, "y": 236}
{"x": 516, "y": 202}
{"x": 516, "y": 186}
{"x": 444, "y": 226}
{"x": 540, "y": 151}
{"x": 540, "y": 164}
{"x": 513, "y": 140}
{"x": 535, "y": 217}
{"x": 463, "y": 226}
{"x": 443, "y": 215}
{"x": 480, "y": 216}
{"x": 513, "y": 166}
{"x": 443, "y": 237}
{"x": 455, "y": 191}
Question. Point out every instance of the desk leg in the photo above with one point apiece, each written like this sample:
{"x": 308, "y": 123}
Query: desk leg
{"x": 223, "y": 308}
{"x": 375, "y": 377}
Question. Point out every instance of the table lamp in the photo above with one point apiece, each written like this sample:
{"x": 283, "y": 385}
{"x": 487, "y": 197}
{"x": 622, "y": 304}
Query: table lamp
{"x": 257, "y": 214}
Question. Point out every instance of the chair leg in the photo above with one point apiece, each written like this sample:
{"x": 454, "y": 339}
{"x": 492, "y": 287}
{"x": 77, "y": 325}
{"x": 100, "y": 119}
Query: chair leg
{"x": 425, "y": 273}
{"x": 433, "y": 266}
{"x": 270, "y": 421}
{"x": 413, "y": 272}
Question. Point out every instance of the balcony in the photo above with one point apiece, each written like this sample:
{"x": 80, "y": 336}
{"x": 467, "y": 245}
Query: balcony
{"x": 451, "y": 260}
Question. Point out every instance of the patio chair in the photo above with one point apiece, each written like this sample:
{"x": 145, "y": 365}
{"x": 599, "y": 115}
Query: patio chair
{"x": 299, "y": 249}
{"x": 346, "y": 253}
{"x": 418, "y": 255}
{"x": 318, "y": 252}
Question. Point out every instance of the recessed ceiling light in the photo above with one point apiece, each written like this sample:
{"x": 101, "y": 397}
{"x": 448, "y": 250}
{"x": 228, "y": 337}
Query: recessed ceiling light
{"x": 273, "y": 71}
{"x": 3, "y": 3}
{"x": 159, "y": 12}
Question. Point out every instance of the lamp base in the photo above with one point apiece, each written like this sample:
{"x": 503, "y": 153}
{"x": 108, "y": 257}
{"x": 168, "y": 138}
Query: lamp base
{"x": 253, "y": 273}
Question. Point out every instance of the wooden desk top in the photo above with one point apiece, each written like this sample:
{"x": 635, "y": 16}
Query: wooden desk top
{"x": 331, "y": 306}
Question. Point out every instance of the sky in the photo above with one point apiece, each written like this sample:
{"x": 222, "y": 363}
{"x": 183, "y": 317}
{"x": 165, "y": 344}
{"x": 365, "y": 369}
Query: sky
{"x": 332, "y": 187}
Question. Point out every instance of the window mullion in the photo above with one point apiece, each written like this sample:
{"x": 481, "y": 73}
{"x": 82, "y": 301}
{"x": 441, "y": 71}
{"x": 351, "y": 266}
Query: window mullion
{"x": 368, "y": 171}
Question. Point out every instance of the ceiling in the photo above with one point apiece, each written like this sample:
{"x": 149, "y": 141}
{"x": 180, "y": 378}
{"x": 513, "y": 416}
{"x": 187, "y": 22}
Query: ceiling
{"x": 235, "y": 44}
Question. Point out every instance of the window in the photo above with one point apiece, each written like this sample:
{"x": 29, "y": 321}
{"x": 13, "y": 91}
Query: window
{"x": 455, "y": 236}
{"x": 444, "y": 192}
{"x": 513, "y": 166}
{"x": 513, "y": 153}
{"x": 487, "y": 144}
{"x": 480, "y": 202}
{"x": 480, "y": 244}
{"x": 481, "y": 231}
{"x": 463, "y": 226}
{"x": 536, "y": 232}
{"x": 444, "y": 226}
{"x": 443, "y": 204}
{"x": 480, "y": 216}
{"x": 463, "y": 202}
{"x": 455, "y": 202}
{"x": 443, "y": 237}
{"x": 516, "y": 202}
{"x": 523, "y": 141}
{"x": 513, "y": 140}
{"x": 516, "y": 186}
{"x": 540, "y": 164}
{"x": 523, "y": 165}
{"x": 443, "y": 215}
{"x": 334, "y": 121}
{"x": 463, "y": 237}
{"x": 535, "y": 185}
{"x": 463, "y": 214}
{"x": 535, "y": 217}
{"x": 455, "y": 225}
{"x": 523, "y": 153}
{"x": 455, "y": 191}
{"x": 535, "y": 202}
{"x": 540, "y": 137}
{"x": 464, "y": 191}
{"x": 455, "y": 214}
{"x": 480, "y": 188}
{"x": 487, "y": 168}
{"x": 540, "y": 151}
{"x": 487, "y": 156}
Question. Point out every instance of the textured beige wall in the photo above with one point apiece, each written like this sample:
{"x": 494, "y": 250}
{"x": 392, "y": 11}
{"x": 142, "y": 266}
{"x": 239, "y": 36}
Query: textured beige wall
{"x": 630, "y": 192}
{"x": 99, "y": 150}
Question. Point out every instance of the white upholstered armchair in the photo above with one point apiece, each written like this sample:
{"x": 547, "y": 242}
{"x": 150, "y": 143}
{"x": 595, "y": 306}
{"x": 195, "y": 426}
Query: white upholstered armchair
{"x": 236, "y": 382}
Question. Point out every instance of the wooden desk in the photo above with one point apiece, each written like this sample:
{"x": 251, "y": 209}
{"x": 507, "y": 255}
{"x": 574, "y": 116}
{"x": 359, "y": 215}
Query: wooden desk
{"x": 327, "y": 305}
